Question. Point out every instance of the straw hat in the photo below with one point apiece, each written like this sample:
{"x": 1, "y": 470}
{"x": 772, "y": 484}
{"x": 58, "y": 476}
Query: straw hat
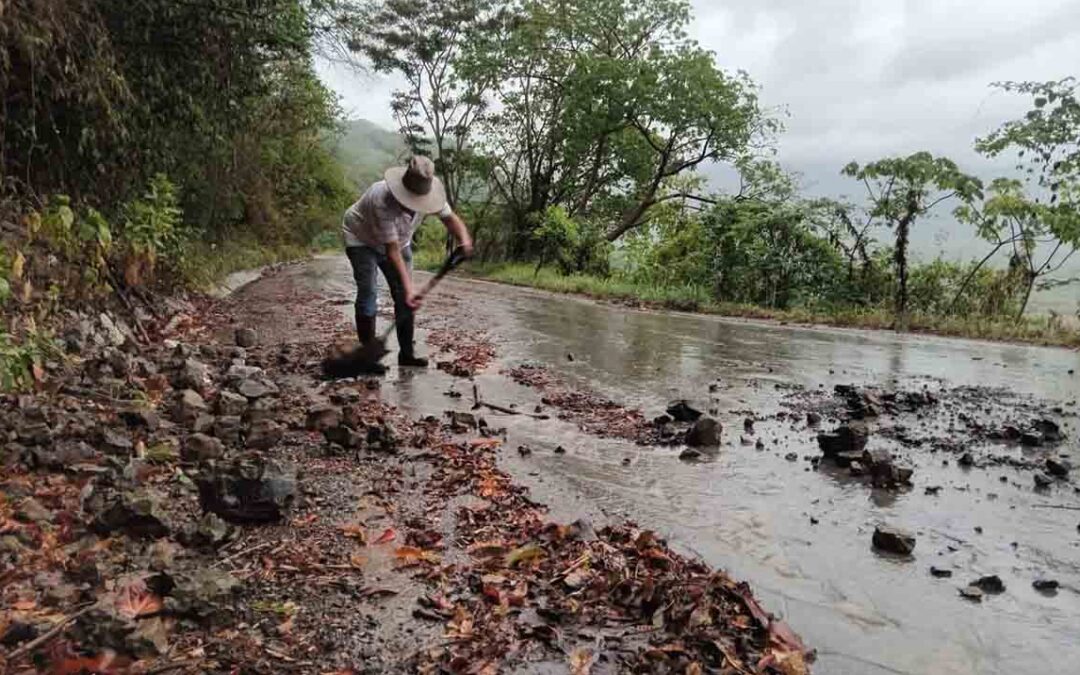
{"x": 416, "y": 187}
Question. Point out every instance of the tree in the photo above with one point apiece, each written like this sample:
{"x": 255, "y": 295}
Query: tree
{"x": 438, "y": 109}
{"x": 1043, "y": 230}
{"x": 904, "y": 189}
{"x": 598, "y": 104}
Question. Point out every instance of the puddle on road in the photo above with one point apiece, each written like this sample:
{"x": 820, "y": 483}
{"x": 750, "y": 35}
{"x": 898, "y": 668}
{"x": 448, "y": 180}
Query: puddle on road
{"x": 749, "y": 511}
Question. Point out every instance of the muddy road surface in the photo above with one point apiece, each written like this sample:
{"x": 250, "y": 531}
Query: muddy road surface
{"x": 762, "y": 506}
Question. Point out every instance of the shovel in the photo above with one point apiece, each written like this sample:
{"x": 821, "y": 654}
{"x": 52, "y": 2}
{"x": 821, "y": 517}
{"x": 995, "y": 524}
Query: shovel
{"x": 365, "y": 358}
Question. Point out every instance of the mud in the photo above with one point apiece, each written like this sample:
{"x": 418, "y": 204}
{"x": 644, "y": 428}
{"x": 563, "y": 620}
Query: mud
{"x": 759, "y": 508}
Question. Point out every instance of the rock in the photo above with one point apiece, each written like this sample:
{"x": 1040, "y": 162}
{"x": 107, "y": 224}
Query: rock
{"x": 255, "y": 388}
{"x": 813, "y": 419}
{"x": 1042, "y": 481}
{"x": 246, "y": 337}
{"x": 227, "y": 429}
{"x": 189, "y": 405}
{"x": 940, "y": 573}
{"x": 704, "y": 433}
{"x": 141, "y": 418}
{"x": 846, "y": 438}
{"x": 690, "y": 454}
{"x": 135, "y": 512}
{"x": 203, "y": 424}
{"x": 264, "y": 434}
{"x": 202, "y": 595}
{"x": 193, "y": 374}
{"x": 1045, "y": 585}
{"x": 344, "y": 436}
{"x": 1031, "y": 439}
{"x": 893, "y": 540}
{"x": 661, "y": 420}
{"x": 1049, "y": 430}
{"x": 116, "y": 443}
{"x": 748, "y": 425}
{"x": 966, "y": 460}
{"x": 792, "y": 457}
{"x": 759, "y": 445}
{"x": 322, "y": 417}
{"x": 209, "y": 532}
{"x": 162, "y": 452}
{"x": 262, "y": 409}
{"x": 524, "y": 450}
{"x": 112, "y": 332}
{"x": 1059, "y": 468}
{"x": 239, "y": 373}
{"x": 682, "y": 411}
{"x": 230, "y": 403}
{"x": 971, "y": 593}
{"x": 560, "y": 450}
{"x": 461, "y": 421}
{"x": 202, "y": 448}
{"x": 991, "y": 583}
{"x": 250, "y": 489}
{"x": 162, "y": 554}
{"x": 31, "y": 510}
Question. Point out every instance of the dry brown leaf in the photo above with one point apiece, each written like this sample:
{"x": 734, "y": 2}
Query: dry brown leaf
{"x": 355, "y": 531}
{"x": 526, "y": 553}
{"x": 135, "y": 600}
{"x": 581, "y": 661}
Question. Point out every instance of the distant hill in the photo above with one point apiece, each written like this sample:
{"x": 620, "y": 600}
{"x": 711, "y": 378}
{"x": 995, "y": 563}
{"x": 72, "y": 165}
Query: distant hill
{"x": 365, "y": 150}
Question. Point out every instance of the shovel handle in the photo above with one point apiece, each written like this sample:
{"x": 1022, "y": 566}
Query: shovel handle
{"x": 456, "y": 257}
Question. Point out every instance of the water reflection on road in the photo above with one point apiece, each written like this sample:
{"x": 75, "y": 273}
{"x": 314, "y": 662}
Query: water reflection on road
{"x": 750, "y": 512}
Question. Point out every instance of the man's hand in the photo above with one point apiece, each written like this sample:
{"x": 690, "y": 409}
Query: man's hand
{"x": 413, "y": 300}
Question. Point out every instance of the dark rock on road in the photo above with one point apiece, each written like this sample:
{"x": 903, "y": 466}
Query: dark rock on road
{"x": 704, "y": 433}
{"x": 893, "y": 540}
{"x": 682, "y": 411}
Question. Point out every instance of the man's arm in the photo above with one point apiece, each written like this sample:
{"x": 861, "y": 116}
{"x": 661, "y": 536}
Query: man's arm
{"x": 456, "y": 226}
{"x": 393, "y": 252}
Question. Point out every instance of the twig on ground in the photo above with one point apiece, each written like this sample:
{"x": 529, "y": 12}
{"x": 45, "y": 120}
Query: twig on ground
{"x": 478, "y": 403}
{"x": 50, "y": 634}
{"x": 1063, "y": 507}
{"x": 238, "y": 554}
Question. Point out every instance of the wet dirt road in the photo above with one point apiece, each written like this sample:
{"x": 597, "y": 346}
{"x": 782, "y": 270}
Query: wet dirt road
{"x": 750, "y": 511}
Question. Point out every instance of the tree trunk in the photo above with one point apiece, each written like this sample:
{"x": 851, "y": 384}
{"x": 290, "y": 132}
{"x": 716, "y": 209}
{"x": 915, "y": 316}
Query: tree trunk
{"x": 903, "y": 231}
{"x": 1027, "y": 296}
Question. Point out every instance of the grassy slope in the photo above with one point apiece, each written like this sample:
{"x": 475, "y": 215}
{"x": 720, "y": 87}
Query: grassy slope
{"x": 1037, "y": 330}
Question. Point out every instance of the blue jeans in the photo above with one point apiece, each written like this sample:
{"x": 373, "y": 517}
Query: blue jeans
{"x": 366, "y": 261}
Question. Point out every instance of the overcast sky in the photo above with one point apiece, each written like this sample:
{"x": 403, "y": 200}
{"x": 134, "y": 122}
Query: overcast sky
{"x": 864, "y": 79}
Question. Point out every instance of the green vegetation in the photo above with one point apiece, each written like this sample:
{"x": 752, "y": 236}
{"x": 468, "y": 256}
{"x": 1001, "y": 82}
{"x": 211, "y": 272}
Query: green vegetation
{"x": 571, "y": 132}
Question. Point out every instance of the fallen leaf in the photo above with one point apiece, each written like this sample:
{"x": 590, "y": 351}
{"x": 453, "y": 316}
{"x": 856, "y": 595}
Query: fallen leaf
{"x": 526, "y": 553}
{"x": 411, "y": 555}
{"x": 581, "y": 661}
{"x": 355, "y": 531}
{"x": 358, "y": 561}
{"x": 24, "y": 605}
{"x": 488, "y": 548}
{"x": 389, "y": 534}
{"x": 135, "y": 600}
{"x": 485, "y": 443}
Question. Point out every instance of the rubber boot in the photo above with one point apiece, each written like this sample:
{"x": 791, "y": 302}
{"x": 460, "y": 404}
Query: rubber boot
{"x": 365, "y": 332}
{"x": 405, "y": 329}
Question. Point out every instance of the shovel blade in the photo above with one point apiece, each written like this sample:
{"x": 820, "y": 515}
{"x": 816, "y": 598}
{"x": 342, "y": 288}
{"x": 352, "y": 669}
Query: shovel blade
{"x": 362, "y": 360}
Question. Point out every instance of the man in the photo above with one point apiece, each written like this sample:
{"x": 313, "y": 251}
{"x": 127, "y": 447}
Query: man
{"x": 378, "y": 235}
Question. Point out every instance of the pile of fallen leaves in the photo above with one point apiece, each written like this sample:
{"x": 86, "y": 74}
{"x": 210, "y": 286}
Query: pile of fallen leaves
{"x": 593, "y": 413}
{"x": 468, "y": 351}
